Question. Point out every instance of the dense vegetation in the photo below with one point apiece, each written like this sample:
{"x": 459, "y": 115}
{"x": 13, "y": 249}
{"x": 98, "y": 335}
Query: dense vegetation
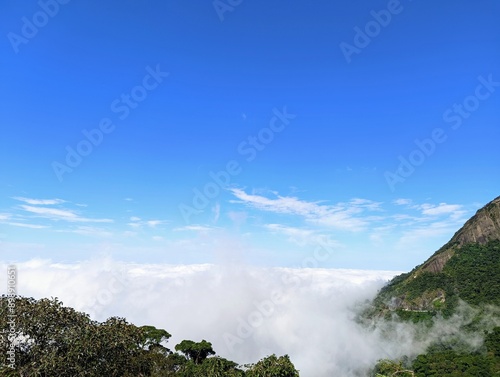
{"x": 51, "y": 340}
{"x": 448, "y": 363}
{"x": 471, "y": 275}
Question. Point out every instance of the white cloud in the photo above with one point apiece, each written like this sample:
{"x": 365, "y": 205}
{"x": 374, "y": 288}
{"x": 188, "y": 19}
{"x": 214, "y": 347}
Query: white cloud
{"x": 195, "y": 228}
{"x": 365, "y": 203}
{"x": 24, "y": 225}
{"x": 306, "y": 313}
{"x": 402, "y": 202}
{"x": 61, "y": 214}
{"x": 290, "y": 231}
{"x": 51, "y": 212}
{"x": 416, "y": 235}
{"x": 288, "y": 205}
{"x": 137, "y": 222}
{"x": 155, "y": 223}
{"x": 419, "y": 227}
{"x": 39, "y": 201}
{"x": 89, "y": 231}
{"x": 441, "y": 209}
{"x": 343, "y": 216}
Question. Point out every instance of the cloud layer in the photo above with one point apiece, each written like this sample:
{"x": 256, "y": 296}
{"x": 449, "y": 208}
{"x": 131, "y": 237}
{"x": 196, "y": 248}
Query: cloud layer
{"x": 247, "y": 313}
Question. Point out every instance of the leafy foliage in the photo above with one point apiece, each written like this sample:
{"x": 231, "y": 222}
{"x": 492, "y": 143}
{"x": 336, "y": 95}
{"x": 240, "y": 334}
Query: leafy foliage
{"x": 389, "y": 368}
{"x": 452, "y": 364}
{"x": 471, "y": 275}
{"x": 442, "y": 362}
{"x": 197, "y": 352}
{"x": 474, "y": 272}
{"x": 273, "y": 366}
{"x": 51, "y": 340}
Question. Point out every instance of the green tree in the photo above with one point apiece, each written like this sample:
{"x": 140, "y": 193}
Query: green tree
{"x": 57, "y": 341}
{"x": 195, "y": 351}
{"x": 390, "y": 368}
{"x": 452, "y": 364}
{"x": 273, "y": 366}
{"x": 53, "y": 340}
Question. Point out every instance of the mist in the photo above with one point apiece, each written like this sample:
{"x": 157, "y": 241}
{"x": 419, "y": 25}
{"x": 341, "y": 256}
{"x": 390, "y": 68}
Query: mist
{"x": 246, "y": 313}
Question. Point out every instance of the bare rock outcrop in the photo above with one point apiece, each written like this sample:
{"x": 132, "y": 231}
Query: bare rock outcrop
{"x": 483, "y": 227}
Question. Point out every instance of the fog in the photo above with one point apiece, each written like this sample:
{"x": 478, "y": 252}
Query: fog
{"x": 247, "y": 313}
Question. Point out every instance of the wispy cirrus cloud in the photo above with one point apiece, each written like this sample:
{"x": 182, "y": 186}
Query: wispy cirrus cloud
{"x": 427, "y": 217}
{"x": 49, "y": 209}
{"x": 13, "y": 220}
{"x": 402, "y": 224}
{"x": 455, "y": 210}
{"x": 25, "y": 225}
{"x": 89, "y": 231}
{"x": 195, "y": 228}
{"x": 39, "y": 201}
{"x": 137, "y": 222}
{"x": 350, "y": 216}
{"x": 424, "y": 221}
{"x": 429, "y": 209}
{"x": 57, "y": 214}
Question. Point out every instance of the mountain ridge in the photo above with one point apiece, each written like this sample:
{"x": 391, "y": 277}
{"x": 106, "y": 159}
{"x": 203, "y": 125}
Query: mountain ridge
{"x": 436, "y": 284}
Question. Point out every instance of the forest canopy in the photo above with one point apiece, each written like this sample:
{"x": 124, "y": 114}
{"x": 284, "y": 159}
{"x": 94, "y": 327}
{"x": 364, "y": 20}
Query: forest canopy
{"x": 45, "y": 338}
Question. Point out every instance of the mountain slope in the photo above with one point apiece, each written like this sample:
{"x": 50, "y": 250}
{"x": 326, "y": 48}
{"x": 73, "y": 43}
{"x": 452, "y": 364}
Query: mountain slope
{"x": 466, "y": 268}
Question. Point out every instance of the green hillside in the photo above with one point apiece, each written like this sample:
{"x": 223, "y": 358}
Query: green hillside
{"x": 466, "y": 268}
{"x": 472, "y": 275}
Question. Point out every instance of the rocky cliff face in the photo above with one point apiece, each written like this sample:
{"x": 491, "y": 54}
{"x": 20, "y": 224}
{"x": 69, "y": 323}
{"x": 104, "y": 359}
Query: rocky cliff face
{"x": 483, "y": 227}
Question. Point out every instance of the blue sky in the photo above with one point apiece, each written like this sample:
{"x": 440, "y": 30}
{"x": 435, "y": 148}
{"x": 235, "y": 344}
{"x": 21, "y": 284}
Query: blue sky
{"x": 113, "y": 114}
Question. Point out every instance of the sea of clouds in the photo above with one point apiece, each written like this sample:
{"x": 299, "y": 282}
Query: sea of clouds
{"x": 246, "y": 312}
